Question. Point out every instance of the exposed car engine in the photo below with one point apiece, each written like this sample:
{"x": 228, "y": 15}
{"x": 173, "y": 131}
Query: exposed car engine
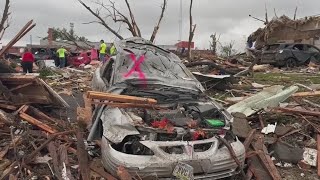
{"x": 182, "y": 122}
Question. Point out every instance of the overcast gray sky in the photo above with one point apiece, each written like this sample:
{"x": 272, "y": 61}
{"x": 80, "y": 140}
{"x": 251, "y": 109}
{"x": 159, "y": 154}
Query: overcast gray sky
{"x": 228, "y": 18}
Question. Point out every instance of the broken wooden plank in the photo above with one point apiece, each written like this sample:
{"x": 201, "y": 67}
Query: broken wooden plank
{"x": 261, "y": 121}
{"x": 97, "y": 167}
{"x": 6, "y": 118}
{"x": 9, "y": 107}
{"x": 53, "y": 154}
{"x": 8, "y": 171}
{"x": 64, "y": 161}
{"x": 82, "y": 157}
{"x": 249, "y": 139}
{"x": 21, "y": 86}
{"x": 61, "y": 101}
{"x": 232, "y": 154}
{"x": 305, "y": 94}
{"x": 29, "y": 158}
{"x": 265, "y": 158}
{"x": 298, "y": 111}
{"x": 37, "y": 123}
{"x": 128, "y": 105}
{"x": 119, "y": 98}
{"x": 41, "y": 115}
{"x": 318, "y": 156}
{"x": 18, "y": 77}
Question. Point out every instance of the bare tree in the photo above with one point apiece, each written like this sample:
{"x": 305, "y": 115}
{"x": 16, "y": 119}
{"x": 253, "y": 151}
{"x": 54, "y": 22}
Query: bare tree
{"x": 295, "y": 13}
{"x": 213, "y": 43}
{"x": 4, "y": 23}
{"x": 119, "y": 17}
{"x": 156, "y": 28}
{"x": 101, "y": 21}
{"x": 191, "y": 30}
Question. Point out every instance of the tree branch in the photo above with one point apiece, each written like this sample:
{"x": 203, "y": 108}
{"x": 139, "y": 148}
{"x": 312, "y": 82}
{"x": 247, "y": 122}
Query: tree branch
{"x": 133, "y": 21}
{"x": 191, "y": 30}
{"x": 117, "y": 16}
{"x": 101, "y": 20}
{"x": 5, "y": 18}
{"x": 156, "y": 28}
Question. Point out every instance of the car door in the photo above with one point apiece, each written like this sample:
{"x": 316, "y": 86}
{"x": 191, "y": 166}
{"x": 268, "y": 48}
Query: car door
{"x": 269, "y": 54}
{"x": 314, "y": 53}
{"x": 300, "y": 53}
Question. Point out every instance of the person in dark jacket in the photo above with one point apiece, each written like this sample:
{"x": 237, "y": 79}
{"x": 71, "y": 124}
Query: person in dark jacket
{"x": 27, "y": 61}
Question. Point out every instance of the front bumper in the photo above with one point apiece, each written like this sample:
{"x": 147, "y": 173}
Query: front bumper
{"x": 215, "y": 163}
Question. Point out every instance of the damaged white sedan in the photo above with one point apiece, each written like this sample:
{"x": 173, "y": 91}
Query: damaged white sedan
{"x": 180, "y": 138}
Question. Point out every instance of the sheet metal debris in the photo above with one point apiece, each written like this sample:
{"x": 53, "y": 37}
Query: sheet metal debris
{"x": 267, "y": 98}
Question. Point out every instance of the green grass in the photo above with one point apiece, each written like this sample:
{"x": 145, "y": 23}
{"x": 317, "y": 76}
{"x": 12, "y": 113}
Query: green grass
{"x": 286, "y": 79}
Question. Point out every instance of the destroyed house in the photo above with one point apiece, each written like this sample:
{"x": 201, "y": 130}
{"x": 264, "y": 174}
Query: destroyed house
{"x": 286, "y": 30}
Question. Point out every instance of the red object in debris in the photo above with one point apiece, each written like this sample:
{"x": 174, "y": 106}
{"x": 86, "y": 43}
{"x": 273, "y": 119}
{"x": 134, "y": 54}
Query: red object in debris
{"x": 82, "y": 58}
{"x": 199, "y": 134}
{"x": 160, "y": 124}
{"x": 184, "y": 44}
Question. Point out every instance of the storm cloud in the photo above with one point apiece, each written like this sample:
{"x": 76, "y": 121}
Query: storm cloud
{"x": 229, "y": 18}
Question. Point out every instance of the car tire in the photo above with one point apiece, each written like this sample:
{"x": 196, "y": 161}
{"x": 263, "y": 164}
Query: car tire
{"x": 291, "y": 63}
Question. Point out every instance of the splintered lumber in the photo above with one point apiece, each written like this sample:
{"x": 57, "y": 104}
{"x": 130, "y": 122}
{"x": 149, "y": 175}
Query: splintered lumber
{"x": 266, "y": 159}
{"x": 233, "y": 155}
{"x": 9, "y": 107}
{"x": 54, "y": 155}
{"x": 82, "y": 157}
{"x": 119, "y": 98}
{"x": 53, "y": 93}
{"x": 97, "y": 167}
{"x": 21, "y": 86}
{"x": 249, "y": 139}
{"x": 43, "y": 145}
{"x": 9, "y": 170}
{"x": 318, "y": 157}
{"x": 298, "y": 111}
{"x": 128, "y": 105}
{"x": 37, "y": 123}
{"x": 305, "y": 94}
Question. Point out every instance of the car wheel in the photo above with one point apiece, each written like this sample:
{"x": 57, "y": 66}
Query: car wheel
{"x": 291, "y": 63}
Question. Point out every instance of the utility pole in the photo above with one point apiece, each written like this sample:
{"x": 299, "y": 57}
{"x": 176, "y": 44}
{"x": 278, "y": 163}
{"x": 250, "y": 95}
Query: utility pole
{"x": 180, "y": 22}
{"x": 31, "y": 40}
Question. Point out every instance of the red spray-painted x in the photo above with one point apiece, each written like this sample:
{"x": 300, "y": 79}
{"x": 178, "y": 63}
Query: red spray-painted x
{"x": 136, "y": 68}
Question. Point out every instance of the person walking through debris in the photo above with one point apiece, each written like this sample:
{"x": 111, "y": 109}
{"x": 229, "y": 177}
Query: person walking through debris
{"x": 62, "y": 56}
{"x": 102, "y": 52}
{"x": 27, "y": 61}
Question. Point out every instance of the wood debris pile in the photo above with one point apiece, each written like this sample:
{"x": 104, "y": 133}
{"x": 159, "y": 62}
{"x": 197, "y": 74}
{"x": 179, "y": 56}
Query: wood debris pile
{"x": 38, "y": 143}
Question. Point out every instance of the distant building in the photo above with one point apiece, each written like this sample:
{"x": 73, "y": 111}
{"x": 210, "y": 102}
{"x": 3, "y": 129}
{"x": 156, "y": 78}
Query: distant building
{"x": 286, "y": 30}
{"x": 184, "y": 44}
{"x": 168, "y": 47}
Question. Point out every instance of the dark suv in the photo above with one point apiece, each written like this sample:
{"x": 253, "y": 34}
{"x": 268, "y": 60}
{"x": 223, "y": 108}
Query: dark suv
{"x": 289, "y": 55}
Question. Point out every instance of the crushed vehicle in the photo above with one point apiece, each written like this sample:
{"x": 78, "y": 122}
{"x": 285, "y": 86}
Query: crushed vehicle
{"x": 49, "y": 58}
{"x": 289, "y": 55}
{"x": 183, "y": 137}
{"x": 76, "y": 59}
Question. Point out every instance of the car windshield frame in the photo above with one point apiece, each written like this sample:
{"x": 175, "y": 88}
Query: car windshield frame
{"x": 159, "y": 66}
